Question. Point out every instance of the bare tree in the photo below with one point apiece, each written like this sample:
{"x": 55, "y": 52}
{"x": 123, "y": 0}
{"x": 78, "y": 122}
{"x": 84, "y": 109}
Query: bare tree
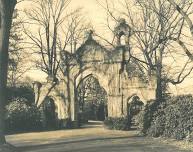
{"x": 17, "y": 54}
{"x": 47, "y": 17}
{"x": 186, "y": 17}
{"x": 6, "y": 12}
{"x": 58, "y": 32}
{"x": 154, "y": 40}
{"x": 76, "y": 26}
{"x": 154, "y": 30}
{"x": 74, "y": 30}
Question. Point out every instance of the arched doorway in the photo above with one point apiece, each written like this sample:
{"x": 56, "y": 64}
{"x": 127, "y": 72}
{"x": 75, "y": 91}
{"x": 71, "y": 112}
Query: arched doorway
{"x": 49, "y": 112}
{"x": 134, "y": 106}
{"x": 92, "y": 99}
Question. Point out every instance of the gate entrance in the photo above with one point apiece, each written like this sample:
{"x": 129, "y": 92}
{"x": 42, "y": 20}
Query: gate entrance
{"x": 134, "y": 106}
{"x": 92, "y": 99}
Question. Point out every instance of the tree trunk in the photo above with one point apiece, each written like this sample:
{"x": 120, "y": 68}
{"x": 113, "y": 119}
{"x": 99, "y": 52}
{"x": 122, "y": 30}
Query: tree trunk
{"x": 68, "y": 90}
{"x": 159, "y": 85}
{"x": 6, "y": 11}
{"x": 159, "y": 63}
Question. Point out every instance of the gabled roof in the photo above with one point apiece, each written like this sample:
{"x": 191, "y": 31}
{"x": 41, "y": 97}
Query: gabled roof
{"x": 89, "y": 49}
{"x": 90, "y": 42}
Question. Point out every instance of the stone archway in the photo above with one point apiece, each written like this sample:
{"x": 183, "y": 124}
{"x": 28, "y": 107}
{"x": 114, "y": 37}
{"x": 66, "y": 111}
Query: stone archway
{"x": 108, "y": 66}
{"x": 93, "y": 59}
{"x": 134, "y": 107}
{"x": 49, "y": 114}
{"x": 103, "y": 80}
{"x": 92, "y": 99}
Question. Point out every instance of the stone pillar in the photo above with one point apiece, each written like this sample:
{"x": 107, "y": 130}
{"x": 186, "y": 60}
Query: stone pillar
{"x": 73, "y": 104}
{"x": 114, "y": 106}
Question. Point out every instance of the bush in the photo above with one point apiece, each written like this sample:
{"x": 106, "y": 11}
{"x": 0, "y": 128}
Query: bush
{"x": 82, "y": 118}
{"x": 172, "y": 118}
{"x": 23, "y": 91}
{"x": 117, "y": 123}
{"x": 179, "y": 117}
{"x": 145, "y": 117}
{"x": 157, "y": 125}
{"x": 64, "y": 124}
{"x": 22, "y": 117}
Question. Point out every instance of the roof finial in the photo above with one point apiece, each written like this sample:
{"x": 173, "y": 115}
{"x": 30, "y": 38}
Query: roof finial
{"x": 89, "y": 34}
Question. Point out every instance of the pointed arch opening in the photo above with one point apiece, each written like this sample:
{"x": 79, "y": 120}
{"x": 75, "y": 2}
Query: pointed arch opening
{"x": 92, "y": 100}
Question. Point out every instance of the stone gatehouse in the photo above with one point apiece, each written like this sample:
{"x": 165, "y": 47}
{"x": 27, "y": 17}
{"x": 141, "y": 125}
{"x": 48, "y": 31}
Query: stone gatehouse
{"x": 108, "y": 66}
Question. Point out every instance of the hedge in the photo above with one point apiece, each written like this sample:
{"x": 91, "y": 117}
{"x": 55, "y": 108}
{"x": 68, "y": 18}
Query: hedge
{"x": 122, "y": 123}
{"x": 22, "y": 117}
{"x": 172, "y": 118}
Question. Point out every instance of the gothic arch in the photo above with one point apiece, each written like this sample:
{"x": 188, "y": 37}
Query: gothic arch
{"x": 60, "y": 106}
{"x": 103, "y": 80}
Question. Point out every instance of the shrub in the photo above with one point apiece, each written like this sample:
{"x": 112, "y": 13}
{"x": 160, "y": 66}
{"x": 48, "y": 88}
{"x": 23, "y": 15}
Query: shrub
{"x": 172, "y": 118}
{"x": 23, "y": 91}
{"x": 156, "y": 127}
{"x": 179, "y": 117}
{"x": 64, "y": 124}
{"x": 117, "y": 123}
{"x": 82, "y": 118}
{"x": 145, "y": 117}
{"x": 22, "y": 117}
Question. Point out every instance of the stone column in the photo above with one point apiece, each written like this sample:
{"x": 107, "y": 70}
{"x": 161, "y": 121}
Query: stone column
{"x": 74, "y": 104}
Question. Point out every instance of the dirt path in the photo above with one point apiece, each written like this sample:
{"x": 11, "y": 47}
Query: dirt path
{"x": 91, "y": 138}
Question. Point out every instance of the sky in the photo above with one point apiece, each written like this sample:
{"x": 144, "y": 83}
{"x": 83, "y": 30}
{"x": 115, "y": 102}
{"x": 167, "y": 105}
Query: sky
{"x": 92, "y": 10}
{"x": 97, "y": 15}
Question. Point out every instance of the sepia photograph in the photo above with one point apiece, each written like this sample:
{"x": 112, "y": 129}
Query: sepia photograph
{"x": 96, "y": 75}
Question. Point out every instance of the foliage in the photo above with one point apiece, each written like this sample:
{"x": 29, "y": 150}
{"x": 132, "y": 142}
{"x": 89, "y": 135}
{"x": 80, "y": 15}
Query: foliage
{"x": 117, "y": 123}
{"x": 92, "y": 99}
{"x": 173, "y": 118}
{"x": 135, "y": 106}
{"x": 82, "y": 118}
{"x": 179, "y": 117}
{"x": 23, "y": 91}
{"x": 64, "y": 124}
{"x": 22, "y": 117}
{"x": 90, "y": 90}
{"x": 134, "y": 69}
{"x": 144, "y": 118}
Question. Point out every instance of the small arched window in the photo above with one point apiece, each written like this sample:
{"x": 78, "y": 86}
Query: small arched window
{"x": 122, "y": 40}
